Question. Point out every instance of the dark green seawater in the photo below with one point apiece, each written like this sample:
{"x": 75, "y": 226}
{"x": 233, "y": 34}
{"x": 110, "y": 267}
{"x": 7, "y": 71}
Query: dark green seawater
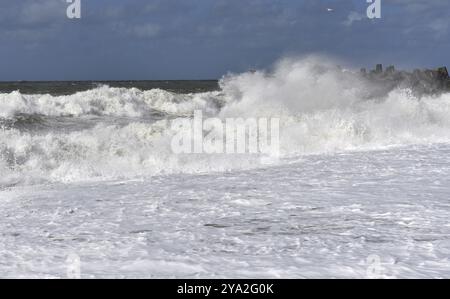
{"x": 57, "y": 88}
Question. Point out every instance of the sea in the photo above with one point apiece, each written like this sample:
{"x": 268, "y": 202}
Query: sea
{"x": 91, "y": 188}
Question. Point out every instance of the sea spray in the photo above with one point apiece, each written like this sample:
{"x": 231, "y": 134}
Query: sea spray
{"x": 108, "y": 133}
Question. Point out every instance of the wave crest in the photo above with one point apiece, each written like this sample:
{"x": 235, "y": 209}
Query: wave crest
{"x": 107, "y": 101}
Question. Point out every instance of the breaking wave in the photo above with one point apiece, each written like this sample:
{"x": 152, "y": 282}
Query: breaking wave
{"x": 108, "y": 133}
{"x": 106, "y": 101}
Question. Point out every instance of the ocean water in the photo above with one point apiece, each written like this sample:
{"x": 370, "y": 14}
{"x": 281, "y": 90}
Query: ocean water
{"x": 361, "y": 188}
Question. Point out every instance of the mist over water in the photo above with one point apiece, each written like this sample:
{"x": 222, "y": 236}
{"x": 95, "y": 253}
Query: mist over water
{"x": 117, "y": 132}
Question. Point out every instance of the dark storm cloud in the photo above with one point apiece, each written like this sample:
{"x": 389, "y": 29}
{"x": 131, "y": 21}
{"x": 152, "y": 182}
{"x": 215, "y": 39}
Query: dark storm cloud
{"x": 155, "y": 39}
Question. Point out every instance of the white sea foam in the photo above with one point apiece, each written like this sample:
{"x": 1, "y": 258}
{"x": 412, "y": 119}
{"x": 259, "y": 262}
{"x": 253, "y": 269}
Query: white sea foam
{"x": 322, "y": 109}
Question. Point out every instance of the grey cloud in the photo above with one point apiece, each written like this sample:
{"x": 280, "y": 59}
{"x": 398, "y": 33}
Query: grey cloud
{"x": 206, "y": 38}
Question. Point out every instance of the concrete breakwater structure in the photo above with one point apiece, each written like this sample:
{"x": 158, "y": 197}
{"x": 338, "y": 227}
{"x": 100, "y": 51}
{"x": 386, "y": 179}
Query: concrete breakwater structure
{"x": 427, "y": 81}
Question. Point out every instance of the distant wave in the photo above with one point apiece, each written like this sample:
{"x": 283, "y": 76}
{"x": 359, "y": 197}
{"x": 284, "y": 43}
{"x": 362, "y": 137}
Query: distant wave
{"x": 322, "y": 109}
{"x": 106, "y": 101}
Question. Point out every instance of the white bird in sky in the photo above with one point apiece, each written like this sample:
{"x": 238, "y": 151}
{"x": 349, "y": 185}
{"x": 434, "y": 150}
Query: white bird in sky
{"x": 330, "y": 9}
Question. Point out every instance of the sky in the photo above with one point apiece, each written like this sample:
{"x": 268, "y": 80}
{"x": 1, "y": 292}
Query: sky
{"x": 205, "y": 39}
